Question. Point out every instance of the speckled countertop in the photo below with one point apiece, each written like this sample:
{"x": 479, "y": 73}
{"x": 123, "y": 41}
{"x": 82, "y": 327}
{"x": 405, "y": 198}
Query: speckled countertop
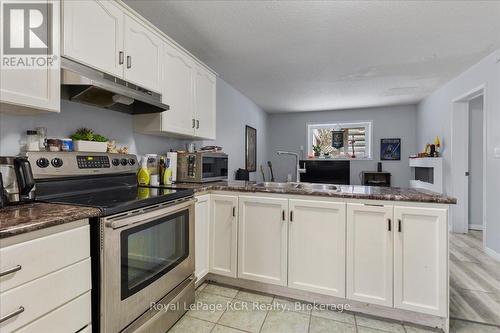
{"x": 15, "y": 220}
{"x": 346, "y": 191}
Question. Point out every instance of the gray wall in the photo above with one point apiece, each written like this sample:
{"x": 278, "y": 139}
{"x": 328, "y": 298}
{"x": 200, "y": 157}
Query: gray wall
{"x": 434, "y": 118}
{"x": 114, "y": 125}
{"x": 234, "y": 111}
{"x": 288, "y": 132}
{"x": 476, "y": 163}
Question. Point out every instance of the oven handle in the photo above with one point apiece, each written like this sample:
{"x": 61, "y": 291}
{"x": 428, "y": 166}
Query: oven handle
{"x": 124, "y": 220}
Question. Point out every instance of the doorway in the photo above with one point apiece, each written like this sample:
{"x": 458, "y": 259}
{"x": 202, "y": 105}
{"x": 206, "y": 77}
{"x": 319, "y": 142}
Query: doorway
{"x": 467, "y": 167}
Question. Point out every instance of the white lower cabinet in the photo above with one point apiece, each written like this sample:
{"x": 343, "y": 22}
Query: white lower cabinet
{"x": 316, "y": 248}
{"x": 223, "y": 234}
{"x": 262, "y": 239}
{"x": 201, "y": 235}
{"x": 370, "y": 253}
{"x": 421, "y": 260}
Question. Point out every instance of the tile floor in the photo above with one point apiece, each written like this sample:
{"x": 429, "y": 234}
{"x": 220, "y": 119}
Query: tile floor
{"x": 474, "y": 280}
{"x": 230, "y": 310}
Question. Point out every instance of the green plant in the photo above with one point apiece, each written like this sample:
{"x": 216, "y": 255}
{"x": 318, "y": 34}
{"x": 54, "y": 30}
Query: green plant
{"x": 317, "y": 149}
{"x": 85, "y": 134}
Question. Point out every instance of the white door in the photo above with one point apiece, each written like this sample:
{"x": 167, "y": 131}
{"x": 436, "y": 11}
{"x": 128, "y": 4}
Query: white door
{"x": 93, "y": 34}
{"x": 177, "y": 91}
{"x": 316, "y": 248}
{"x": 143, "y": 55}
{"x": 262, "y": 239}
{"x": 223, "y": 234}
{"x": 370, "y": 253}
{"x": 201, "y": 235}
{"x": 421, "y": 260}
{"x": 204, "y": 101}
{"x": 37, "y": 88}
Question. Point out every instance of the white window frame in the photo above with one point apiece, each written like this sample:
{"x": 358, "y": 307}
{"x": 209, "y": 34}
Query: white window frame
{"x": 368, "y": 134}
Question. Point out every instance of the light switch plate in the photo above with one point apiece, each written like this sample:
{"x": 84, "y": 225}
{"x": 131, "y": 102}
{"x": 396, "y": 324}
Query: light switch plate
{"x": 497, "y": 152}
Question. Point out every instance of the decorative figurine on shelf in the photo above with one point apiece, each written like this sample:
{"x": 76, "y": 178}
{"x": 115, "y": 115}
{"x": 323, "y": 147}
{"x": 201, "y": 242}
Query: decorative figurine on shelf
{"x": 353, "y": 151}
{"x": 437, "y": 144}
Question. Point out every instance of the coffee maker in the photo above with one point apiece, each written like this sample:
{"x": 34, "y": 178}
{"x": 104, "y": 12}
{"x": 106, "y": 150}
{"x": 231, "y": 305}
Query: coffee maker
{"x": 17, "y": 184}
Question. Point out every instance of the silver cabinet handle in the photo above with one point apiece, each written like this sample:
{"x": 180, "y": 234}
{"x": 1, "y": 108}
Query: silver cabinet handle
{"x": 197, "y": 124}
{"x": 120, "y": 57}
{"x": 12, "y": 314}
{"x": 11, "y": 270}
{"x": 129, "y": 62}
{"x": 234, "y": 211}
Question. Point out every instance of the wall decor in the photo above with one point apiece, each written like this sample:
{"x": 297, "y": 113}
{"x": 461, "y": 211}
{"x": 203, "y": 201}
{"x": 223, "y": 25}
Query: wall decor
{"x": 338, "y": 139}
{"x": 390, "y": 149}
{"x": 250, "y": 148}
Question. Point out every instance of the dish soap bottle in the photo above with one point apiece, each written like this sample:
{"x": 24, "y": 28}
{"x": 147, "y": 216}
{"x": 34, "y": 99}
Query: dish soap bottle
{"x": 143, "y": 174}
{"x": 167, "y": 176}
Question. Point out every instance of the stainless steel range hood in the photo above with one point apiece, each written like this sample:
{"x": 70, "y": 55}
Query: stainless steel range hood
{"x": 83, "y": 84}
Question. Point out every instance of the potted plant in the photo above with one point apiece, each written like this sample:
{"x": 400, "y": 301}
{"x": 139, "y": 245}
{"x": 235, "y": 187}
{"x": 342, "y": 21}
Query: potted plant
{"x": 317, "y": 150}
{"x": 85, "y": 139}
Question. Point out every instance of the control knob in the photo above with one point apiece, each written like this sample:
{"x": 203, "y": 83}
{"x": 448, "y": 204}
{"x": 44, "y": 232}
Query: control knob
{"x": 123, "y": 161}
{"x": 57, "y": 162}
{"x": 131, "y": 161}
{"x": 42, "y": 162}
{"x": 115, "y": 162}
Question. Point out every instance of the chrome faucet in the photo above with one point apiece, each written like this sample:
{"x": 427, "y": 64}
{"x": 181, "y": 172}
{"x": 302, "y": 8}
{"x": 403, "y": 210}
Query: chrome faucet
{"x": 297, "y": 165}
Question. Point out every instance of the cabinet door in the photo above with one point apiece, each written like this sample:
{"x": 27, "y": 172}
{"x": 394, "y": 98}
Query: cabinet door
{"x": 204, "y": 101}
{"x": 177, "y": 92}
{"x": 143, "y": 53}
{"x": 223, "y": 234}
{"x": 93, "y": 34}
{"x": 370, "y": 253}
{"x": 420, "y": 260}
{"x": 30, "y": 89}
{"x": 201, "y": 235}
{"x": 316, "y": 249}
{"x": 262, "y": 239}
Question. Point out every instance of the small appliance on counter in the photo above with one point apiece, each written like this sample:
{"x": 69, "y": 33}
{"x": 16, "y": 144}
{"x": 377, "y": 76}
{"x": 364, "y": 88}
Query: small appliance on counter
{"x": 202, "y": 166}
{"x": 18, "y": 184}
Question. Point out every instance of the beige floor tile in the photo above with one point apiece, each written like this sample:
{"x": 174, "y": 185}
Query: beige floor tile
{"x": 220, "y": 290}
{"x": 191, "y": 325}
{"x": 382, "y": 325}
{"x": 209, "y": 307}
{"x": 285, "y": 322}
{"x": 254, "y": 297}
{"x": 322, "y": 325}
{"x": 413, "y": 329}
{"x": 362, "y": 329}
{"x": 334, "y": 315}
{"x": 282, "y": 304}
{"x": 224, "y": 329}
{"x": 460, "y": 326}
{"x": 242, "y": 315}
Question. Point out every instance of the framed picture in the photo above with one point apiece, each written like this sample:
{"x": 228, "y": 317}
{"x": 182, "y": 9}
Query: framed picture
{"x": 390, "y": 149}
{"x": 250, "y": 148}
{"x": 338, "y": 139}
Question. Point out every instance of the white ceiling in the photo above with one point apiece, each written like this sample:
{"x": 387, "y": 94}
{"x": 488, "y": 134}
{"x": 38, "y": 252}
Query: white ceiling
{"x": 323, "y": 55}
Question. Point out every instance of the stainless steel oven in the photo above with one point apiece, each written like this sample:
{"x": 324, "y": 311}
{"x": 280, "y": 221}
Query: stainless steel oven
{"x": 145, "y": 254}
{"x": 202, "y": 167}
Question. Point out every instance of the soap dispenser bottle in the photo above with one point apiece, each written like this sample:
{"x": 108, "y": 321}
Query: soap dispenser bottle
{"x": 143, "y": 176}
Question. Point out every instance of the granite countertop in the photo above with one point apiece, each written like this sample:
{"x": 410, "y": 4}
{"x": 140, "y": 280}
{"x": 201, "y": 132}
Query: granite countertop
{"x": 346, "y": 191}
{"x": 19, "y": 219}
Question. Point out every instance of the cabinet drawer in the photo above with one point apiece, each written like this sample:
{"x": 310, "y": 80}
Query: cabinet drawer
{"x": 43, "y": 295}
{"x": 42, "y": 256}
{"x": 69, "y": 318}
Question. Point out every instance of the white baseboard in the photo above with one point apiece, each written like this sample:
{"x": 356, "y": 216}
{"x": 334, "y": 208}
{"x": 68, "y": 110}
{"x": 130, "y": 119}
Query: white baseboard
{"x": 476, "y": 226}
{"x": 493, "y": 254}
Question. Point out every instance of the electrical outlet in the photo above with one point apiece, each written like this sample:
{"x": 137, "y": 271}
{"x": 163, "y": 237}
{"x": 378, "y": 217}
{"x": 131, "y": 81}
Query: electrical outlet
{"x": 301, "y": 147}
{"x": 497, "y": 152}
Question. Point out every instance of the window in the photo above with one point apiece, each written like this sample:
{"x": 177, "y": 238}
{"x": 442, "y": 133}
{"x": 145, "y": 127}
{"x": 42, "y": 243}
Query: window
{"x": 355, "y": 134}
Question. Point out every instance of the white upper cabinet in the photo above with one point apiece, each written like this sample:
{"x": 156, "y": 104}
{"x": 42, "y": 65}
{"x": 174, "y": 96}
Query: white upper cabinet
{"x": 204, "y": 91}
{"x": 28, "y": 90}
{"x": 177, "y": 91}
{"x": 262, "y": 239}
{"x": 143, "y": 55}
{"x": 316, "y": 246}
{"x": 370, "y": 253}
{"x": 93, "y": 34}
{"x": 421, "y": 260}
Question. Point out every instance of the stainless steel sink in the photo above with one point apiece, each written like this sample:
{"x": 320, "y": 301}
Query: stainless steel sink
{"x": 302, "y": 186}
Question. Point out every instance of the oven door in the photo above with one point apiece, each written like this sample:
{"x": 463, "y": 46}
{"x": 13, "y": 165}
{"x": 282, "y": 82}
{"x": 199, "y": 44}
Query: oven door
{"x": 145, "y": 254}
{"x": 214, "y": 167}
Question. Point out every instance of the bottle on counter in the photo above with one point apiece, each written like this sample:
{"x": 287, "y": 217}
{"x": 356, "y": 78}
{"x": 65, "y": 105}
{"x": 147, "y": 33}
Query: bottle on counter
{"x": 167, "y": 176}
{"x": 143, "y": 177}
{"x": 161, "y": 170}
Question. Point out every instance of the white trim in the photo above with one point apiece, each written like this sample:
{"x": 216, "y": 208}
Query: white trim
{"x": 492, "y": 253}
{"x": 475, "y": 227}
{"x": 368, "y": 124}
